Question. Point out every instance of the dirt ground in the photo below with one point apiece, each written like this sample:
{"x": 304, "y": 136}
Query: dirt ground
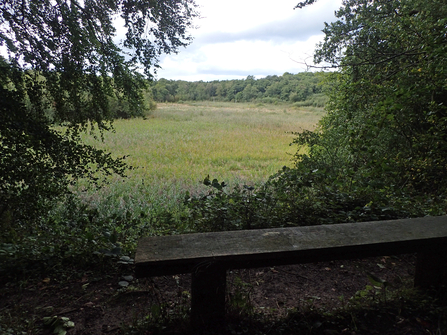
{"x": 97, "y": 304}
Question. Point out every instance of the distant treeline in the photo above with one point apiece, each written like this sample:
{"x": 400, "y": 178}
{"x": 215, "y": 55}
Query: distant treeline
{"x": 302, "y": 88}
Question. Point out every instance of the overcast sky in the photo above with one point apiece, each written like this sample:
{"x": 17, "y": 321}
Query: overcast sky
{"x": 237, "y": 38}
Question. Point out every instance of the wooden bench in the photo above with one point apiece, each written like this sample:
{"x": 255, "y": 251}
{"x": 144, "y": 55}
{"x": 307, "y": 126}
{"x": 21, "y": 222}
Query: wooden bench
{"x": 207, "y": 256}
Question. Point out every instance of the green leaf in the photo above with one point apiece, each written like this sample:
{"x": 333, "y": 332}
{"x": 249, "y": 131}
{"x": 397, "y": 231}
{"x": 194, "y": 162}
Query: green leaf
{"x": 376, "y": 281}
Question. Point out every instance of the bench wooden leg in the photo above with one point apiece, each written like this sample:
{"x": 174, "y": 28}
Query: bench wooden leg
{"x": 431, "y": 268}
{"x": 208, "y": 296}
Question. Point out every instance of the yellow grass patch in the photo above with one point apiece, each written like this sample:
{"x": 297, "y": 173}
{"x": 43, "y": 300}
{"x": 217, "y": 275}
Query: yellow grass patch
{"x": 231, "y": 142}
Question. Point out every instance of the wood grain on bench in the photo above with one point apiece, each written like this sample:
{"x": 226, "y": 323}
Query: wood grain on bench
{"x": 175, "y": 254}
{"x": 207, "y": 256}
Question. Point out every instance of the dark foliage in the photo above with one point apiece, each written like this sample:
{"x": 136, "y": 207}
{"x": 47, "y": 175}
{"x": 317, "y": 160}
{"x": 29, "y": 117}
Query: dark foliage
{"x": 64, "y": 74}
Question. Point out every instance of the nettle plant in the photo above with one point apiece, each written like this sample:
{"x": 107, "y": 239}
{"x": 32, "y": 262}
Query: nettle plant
{"x": 243, "y": 207}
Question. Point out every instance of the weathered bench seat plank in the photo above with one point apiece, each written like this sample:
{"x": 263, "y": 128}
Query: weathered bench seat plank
{"x": 166, "y": 255}
{"x": 207, "y": 256}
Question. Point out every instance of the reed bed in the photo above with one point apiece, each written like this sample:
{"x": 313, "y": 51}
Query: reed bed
{"x": 178, "y": 145}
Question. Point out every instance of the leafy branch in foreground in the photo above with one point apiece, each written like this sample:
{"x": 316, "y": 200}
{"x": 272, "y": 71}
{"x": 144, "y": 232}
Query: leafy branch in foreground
{"x": 63, "y": 68}
{"x": 386, "y": 128}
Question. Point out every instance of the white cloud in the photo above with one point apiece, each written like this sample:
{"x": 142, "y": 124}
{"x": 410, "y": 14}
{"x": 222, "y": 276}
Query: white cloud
{"x": 237, "y": 38}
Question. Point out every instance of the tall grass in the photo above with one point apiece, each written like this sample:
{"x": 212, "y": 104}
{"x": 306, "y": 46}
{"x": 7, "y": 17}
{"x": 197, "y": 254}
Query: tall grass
{"x": 175, "y": 148}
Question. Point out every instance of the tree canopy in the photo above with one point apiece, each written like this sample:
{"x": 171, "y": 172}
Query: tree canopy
{"x": 386, "y": 131}
{"x": 62, "y": 65}
{"x": 288, "y": 87}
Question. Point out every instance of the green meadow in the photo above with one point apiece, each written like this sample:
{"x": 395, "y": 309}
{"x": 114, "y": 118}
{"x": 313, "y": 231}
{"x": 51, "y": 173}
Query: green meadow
{"x": 178, "y": 145}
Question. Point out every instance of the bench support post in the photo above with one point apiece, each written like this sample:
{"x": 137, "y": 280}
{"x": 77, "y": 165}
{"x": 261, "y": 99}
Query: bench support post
{"x": 208, "y": 295}
{"x": 431, "y": 268}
